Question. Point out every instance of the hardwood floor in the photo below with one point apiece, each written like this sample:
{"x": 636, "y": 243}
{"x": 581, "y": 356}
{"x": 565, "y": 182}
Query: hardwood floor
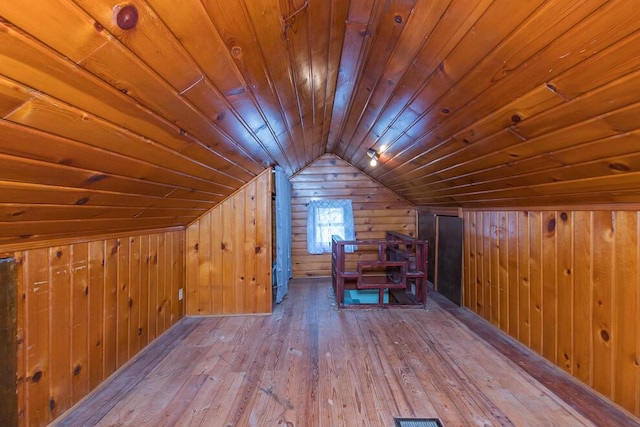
{"x": 309, "y": 364}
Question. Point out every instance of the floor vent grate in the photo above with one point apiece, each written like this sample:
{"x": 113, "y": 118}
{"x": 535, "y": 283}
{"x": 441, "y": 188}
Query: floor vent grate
{"x": 418, "y": 422}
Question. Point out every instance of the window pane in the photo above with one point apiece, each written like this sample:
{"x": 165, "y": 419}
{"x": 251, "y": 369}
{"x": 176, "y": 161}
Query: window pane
{"x": 330, "y": 222}
{"x": 325, "y": 219}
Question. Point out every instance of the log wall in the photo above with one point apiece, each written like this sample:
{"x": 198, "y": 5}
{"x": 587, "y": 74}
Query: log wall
{"x": 85, "y": 309}
{"x": 229, "y": 254}
{"x": 376, "y": 209}
{"x": 566, "y": 284}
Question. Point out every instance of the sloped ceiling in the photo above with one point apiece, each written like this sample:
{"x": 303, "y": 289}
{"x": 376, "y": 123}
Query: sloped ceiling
{"x": 469, "y": 103}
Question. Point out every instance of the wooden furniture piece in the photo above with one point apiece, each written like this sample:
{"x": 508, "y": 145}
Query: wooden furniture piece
{"x": 397, "y": 271}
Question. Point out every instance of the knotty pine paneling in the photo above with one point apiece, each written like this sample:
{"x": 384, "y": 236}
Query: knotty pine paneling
{"x": 376, "y": 210}
{"x": 566, "y": 284}
{"x": 229, "y": 254}
{"x": 86, "y": 309}
{"x": 470, "y": 103}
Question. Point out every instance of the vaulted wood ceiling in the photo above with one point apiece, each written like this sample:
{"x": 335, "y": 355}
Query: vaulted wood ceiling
{"x": 469, "y": 102}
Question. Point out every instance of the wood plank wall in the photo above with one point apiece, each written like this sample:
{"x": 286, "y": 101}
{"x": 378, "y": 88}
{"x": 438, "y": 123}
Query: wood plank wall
{"x": 229, "y": 254}
{"x": 566, "y": 284}
{"x": 87, "y": 308}
{"x": 376, "y": 209}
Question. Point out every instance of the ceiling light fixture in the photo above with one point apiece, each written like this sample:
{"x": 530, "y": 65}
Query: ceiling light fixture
{"x": 374, "y": 156}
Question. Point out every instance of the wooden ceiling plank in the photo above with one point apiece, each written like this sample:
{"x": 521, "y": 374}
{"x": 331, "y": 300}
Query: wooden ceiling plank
{"x": 204, "y": 44}
{"x": 567, "y": 146}
{"x": 536, "y": 31}
{"x": 245, "y": 125}
{"x": 320, "y": 21}
{"x": 209, "y": 51}
{"x": 28, "y": 242}
{"x": 442, "y": 88}
{"x": 25, "y": 61}
{"x": 608, "y": 199}
{"x": 610, "y": 184}
{"x": 575, "y": 40}
{"x": 20, "y": 141}
{"x": 52, "y": 116}
{"x": 498, "y": 150}
{"x": 422, "y": 21}
{"x": 233, "y": 22}
{"x": 337, "y": 30}
{"x": 613, "y": 126}
{"x": 67, "y": 28}
{"x": 73, "y": 227}
{"x": 551, "y": 22}
{"x": 26, "y": 193}
{"x": 602, "y": 101}
{"x": 460, "y": 17}
{"x": 538, "y": 100}
{"x": 188, "y": 194}
{"x": 617, "y": 121}
{"x": 40, "y": 172}
{"x": 12, "y": 97}
{"x": 421, "y": 168}
{"x": 580, "y": 200}
{"x": 181, "y": 116}
{"x": 239, "y": 118}
{"x": 442, "y": 155}
{"x": 115, "y": 65}
{"x": 490, "y": 100}
{"x": 289, "y": 66}
{"x": 387, "y": 42}
{"x": 607, "y": 65}
{"x": 149, "y": 39}
{"x": 564, "y": 174}
{"x": 554, "y": 118}
{"x": 37, "y": 212}
{"x": 358, "y": 39}
{"x": 281, "y": 29}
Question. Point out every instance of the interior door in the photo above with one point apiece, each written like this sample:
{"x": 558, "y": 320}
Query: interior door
{"x": 427, "y": 231}
{"x": 450, "y": 257}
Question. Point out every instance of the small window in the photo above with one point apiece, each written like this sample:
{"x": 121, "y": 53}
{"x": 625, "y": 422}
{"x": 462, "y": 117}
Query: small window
{"x": 326, "y": 218}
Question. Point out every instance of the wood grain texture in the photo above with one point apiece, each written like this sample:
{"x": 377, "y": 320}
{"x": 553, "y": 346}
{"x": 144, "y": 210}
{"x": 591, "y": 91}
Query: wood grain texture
{"x": 81, "y": 319}
{"x": 228, "y": 257}
{"x": 375, "y": 209}
{"x": 577, "y": 301}
{"x": 483, "y": 103}
{"x": 309, "y": 364}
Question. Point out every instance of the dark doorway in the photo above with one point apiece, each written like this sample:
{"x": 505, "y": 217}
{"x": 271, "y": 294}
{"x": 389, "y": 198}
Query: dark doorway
{"x": 444, "y": 234}
{"x": 8, "y": 343}
{"x": 427, "y": 231}
{"x": 450, "y": 257}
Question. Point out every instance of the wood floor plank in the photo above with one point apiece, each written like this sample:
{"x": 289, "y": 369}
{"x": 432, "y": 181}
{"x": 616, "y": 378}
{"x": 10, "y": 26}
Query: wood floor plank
{"x": 102, "y": 401}
{"x": 309, "y": 364}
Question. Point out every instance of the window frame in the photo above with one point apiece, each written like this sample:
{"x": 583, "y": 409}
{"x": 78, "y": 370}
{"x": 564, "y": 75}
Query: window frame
{"x": 320, "y": 228}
